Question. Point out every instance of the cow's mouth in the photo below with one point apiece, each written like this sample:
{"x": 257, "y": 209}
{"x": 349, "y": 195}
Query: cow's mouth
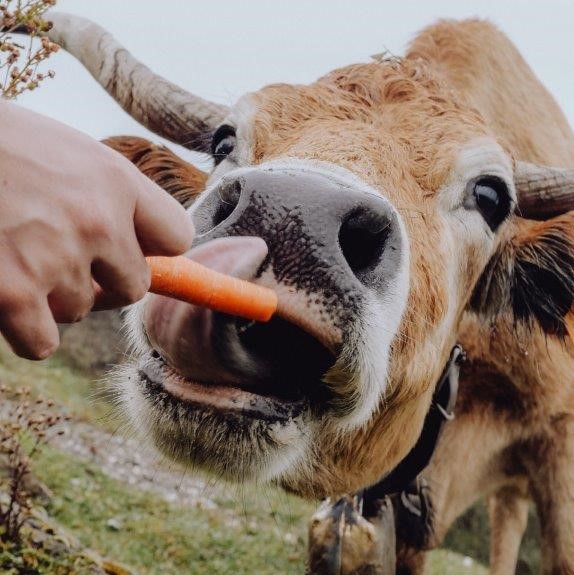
{"x": 282, "y": 376}
{"x": 203, "y": 360}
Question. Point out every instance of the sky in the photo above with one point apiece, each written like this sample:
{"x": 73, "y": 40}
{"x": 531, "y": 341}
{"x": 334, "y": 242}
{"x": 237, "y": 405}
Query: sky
{"x": 222, "y": 49}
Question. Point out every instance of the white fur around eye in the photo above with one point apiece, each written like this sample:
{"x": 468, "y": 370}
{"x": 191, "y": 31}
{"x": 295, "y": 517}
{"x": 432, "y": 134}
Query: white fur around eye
{"x": 482, "y": 157}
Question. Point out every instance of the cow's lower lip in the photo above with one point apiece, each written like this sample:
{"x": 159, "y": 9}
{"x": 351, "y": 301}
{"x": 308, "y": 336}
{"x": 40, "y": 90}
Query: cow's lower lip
{"x": 165, "y": 384}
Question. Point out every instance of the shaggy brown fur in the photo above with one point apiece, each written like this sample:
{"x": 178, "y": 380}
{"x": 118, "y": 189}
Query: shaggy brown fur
{"x": 388, "y": 122}
{"x": 513, "y": 436}
{"x": 532, "y": 277}
{"x": 404, "y": 120}
{"x": 514, "y": 431}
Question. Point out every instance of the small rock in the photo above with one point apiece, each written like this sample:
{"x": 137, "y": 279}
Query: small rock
{"x": 114, "y": 524}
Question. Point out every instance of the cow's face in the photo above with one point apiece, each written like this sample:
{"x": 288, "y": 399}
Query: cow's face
{"x": 371, "y": 202}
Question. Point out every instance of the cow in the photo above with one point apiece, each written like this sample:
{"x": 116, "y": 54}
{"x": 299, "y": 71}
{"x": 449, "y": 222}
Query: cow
{"x": 386, "y": 203}
{"x": 509, "y": 444}
{"x": 516, "y": 403}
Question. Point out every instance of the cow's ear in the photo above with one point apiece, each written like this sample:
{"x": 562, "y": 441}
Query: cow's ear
{"x": 179, "y": 178}
{"x": 532, "y": 275}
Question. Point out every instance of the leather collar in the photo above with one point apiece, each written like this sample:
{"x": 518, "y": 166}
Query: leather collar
{"x": 441, "y": 410}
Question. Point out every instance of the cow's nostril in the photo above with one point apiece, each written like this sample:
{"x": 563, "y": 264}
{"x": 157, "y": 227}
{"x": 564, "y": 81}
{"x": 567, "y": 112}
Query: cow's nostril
{"x": 362, "y": 238}
{"x": 229, "y": 194}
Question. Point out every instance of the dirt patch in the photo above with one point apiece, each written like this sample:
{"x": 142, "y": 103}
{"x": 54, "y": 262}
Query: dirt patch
{"x": 130, "y": 462}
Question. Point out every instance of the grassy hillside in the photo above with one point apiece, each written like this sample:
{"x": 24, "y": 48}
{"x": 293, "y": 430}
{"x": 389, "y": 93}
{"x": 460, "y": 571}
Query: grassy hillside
{"x": 243, "y": 531}
{"x": 263, "y": 531}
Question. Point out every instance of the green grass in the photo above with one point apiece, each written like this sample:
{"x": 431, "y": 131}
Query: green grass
{"x": 264, "y": 534}
{"x": 26, "y": 560}
{"x": 55, "y": 379}
{"x": 443, "y": 562}
{"x": 254, "y": 530}
{"x": 157, "y": 538}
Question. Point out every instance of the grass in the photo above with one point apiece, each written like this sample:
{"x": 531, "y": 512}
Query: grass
{"x": 18, "y": 561}
{"x": 253, "y": 530}
{"x": 154, "y": 537}
{"x": 55, "y": 379}
{"x": 444, "y": 562}
{"x": 157, "y": 538}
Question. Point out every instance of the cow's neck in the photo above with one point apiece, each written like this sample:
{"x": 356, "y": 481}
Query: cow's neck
{"x": 441, "y": 410}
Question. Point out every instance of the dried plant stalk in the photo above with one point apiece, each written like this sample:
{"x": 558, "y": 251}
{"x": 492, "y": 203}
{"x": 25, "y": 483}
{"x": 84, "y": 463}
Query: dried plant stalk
{"x": 27, "y": 424}
{"x": 20, "y": 62}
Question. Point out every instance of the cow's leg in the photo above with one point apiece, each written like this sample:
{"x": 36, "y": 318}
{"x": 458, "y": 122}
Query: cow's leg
{"x": 552, "y": 485}
{"x": 458, "y": 475}
{"x": 344, "y": 542}
{"x": 508, "y": 513}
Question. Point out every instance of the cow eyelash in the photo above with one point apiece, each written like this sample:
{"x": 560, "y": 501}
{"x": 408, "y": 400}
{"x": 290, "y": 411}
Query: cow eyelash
{"x": 223, "y": 143}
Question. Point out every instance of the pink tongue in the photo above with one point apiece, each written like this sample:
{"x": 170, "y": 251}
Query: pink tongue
{"x": 182, "y": 333}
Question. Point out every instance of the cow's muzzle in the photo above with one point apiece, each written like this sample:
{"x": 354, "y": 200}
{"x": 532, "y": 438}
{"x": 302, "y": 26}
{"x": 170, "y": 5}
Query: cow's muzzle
{"x": 318, "y": 240}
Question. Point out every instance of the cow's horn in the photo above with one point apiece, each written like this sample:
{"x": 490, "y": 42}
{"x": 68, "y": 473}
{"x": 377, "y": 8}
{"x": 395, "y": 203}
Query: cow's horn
{"x": 161, "y": 106}
{"x": 543, "y": 192}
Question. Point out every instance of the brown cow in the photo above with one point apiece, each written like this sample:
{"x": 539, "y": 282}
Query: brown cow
{"x": 510, "y": 443}
{"x": 384, "y": 195}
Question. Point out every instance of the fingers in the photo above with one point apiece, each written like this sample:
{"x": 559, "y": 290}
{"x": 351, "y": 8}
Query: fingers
{"x": 123, "y": 277}
{"x": 112, "y": 300}
{"x": 103, "y": 299}
{"x": 29, "y": 328}
{"x": 162, "y": 225}
{"x": 71, "y": 303}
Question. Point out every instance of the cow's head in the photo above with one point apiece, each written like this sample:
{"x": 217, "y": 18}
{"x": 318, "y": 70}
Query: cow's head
{"x": 372, "y": 202}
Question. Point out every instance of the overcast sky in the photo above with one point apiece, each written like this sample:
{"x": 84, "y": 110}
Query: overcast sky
{"x": 222, "y": 49}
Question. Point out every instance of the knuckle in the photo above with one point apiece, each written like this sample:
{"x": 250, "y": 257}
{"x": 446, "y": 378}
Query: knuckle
{"x": 72, "y": 304}
{"x": 137, "y": 286}
{"x": 100, "y": 228}
{"x": 35, "y": 345}
{"x": 136, "y": 291}
{"x": 77, "y": 313}
{"x": 122, "y": 174}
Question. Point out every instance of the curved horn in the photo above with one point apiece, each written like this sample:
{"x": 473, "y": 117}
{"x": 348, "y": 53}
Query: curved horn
{"x": 543, "y": 192}
{"x": 161, "y": 106}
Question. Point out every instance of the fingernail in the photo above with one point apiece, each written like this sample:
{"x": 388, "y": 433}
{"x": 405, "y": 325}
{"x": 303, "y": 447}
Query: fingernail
{"x": 47, "y": 351}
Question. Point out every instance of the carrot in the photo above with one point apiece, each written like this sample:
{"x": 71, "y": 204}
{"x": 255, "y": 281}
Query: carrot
{"x": 186, "y": 280}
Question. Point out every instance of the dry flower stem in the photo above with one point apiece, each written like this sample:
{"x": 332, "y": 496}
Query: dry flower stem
{"x": 18, "y": 63}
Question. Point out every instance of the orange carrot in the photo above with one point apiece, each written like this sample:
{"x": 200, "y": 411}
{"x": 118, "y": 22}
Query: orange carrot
{"x": 186, "y": 280}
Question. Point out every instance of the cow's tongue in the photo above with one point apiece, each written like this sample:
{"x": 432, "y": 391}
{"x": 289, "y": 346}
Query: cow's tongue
{"x": 182, "y": 333}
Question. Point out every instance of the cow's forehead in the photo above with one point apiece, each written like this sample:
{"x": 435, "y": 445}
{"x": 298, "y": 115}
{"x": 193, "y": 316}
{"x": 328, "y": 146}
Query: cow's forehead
{"x": 368, "y": 115}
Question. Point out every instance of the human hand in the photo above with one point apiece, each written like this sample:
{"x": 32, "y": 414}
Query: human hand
{"x": 76, "y": 220}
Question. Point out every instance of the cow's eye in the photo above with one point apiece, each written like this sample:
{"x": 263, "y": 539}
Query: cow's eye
{"x": 491, "y": 197}
{"x": 222, "y": 143}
